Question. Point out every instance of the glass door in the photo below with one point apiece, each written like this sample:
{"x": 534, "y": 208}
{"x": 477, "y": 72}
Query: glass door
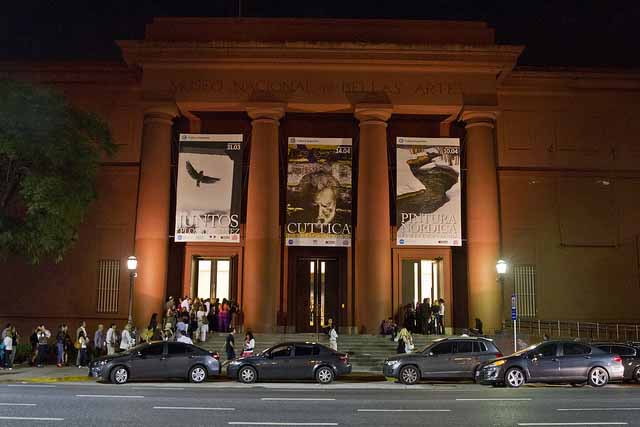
{"x": 421, "y": 279}
{"x": 213, "y": 278}
{"x": 316, "y": 293}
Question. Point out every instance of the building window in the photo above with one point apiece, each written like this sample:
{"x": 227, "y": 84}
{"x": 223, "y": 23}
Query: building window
{"x": 525, "y": 289}
{"x": 108, "y": 285}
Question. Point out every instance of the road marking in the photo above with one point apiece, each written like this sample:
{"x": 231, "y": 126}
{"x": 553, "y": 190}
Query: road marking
{"x": 32, "y": 418}
{"x": 605, "y": 423}
{"x": 496, "y": 399}
{"x": 157, "y": 388}
{"x": 404, "y": 410}
{"x": 194, "y": 408}
{"x": 598, "y": 409}
{"x": 249, "y": 423}
{"x": 17, "y": 404}
{"x": 31, "y": 385}
{"x": 297, "y": 398}
{"x": 117, "y": 396}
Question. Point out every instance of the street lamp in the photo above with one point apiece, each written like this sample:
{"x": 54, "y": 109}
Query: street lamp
{"x": 501, "y": 267}
{"x": 132, "y": 266}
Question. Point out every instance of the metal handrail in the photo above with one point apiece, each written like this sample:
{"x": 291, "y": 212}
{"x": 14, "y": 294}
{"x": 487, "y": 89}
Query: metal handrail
{"x": 605, "y": 331}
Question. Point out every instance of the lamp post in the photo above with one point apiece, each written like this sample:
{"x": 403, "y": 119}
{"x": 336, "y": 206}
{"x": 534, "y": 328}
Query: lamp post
{"x": 132, "y": 266}
{"x": 501, "y": 269}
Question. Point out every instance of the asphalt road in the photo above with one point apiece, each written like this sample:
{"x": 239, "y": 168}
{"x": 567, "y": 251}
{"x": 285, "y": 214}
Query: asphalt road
{"x": 372, "y": 404}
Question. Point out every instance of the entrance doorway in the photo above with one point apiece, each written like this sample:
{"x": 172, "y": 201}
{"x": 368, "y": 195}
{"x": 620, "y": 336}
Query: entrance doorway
{"x": 316, "y": 293}
{"x": 421, "y": 278}
{"x": 213, "y": 277}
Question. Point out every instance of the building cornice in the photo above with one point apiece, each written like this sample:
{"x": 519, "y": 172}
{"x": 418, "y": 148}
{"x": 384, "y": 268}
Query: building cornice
{"x": 69, "y": 72}
{"x": 300, "y": 55}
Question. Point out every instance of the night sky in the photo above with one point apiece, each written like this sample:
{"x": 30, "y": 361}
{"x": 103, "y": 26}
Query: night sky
{"x": 569, "y": 33}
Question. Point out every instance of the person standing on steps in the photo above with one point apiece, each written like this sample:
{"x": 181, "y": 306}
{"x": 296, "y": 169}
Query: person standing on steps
{"x": 249, "y": 344}
{"x": 229, "y": 345}
{"x": 440, "y": 317}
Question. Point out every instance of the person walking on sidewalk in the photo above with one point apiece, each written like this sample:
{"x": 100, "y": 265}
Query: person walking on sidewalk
{"x": 126, "y": 342}
{"x": 112, "y": 339}
{"x": 8, "y": 348}
{"x": 60, "y": 339}
{"x": 43, "y": 336}
{"x": 229, "y": 345}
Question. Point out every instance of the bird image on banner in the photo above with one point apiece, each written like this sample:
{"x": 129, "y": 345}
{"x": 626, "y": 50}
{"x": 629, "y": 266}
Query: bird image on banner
{"x": 200, "y": 177}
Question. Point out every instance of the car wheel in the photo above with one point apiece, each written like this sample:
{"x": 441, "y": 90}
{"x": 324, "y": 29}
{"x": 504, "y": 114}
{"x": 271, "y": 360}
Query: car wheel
{"x": 324, "y": 375}
{"x": 247, "y": 375}
{"x": 409, "y": 375}
{"x": 514, "y": 377}
{"x": 598, "y": 377}
{"x": 197, "y": 374}
{"x": 119, "y": 375}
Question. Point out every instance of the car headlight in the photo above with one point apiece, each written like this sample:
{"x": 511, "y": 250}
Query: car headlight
{"x": 392, "y": 363}
{"x": 103, "y": 362}
{"x": 496, "y": 364}
{"x": 234, "y": 363}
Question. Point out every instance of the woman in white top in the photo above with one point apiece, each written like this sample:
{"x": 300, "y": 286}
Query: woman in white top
{"x": 203, "y": 323}
{"x": 249, "y": 344}
{"x": 333, "y": 339}
{"x": 8, "y": 348}
{"x": 126, "y": 342}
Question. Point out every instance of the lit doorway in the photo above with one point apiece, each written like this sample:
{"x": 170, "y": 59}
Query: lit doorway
{"x": 421, "y": 278}
{"x": 213, "y": 278}
{"x": 316, "y": 293}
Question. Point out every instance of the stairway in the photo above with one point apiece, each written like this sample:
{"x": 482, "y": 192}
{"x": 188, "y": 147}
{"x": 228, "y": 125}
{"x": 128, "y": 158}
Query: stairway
{"x": 366, "y": 352}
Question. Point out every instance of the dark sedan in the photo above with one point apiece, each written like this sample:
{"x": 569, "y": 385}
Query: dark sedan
{"x": 291, "y": 361}
{"x": 554, "y": 362}
{"x": 630, "y": 358}
{"x": 157, "y": 360}
{"x": 447, "y": 358}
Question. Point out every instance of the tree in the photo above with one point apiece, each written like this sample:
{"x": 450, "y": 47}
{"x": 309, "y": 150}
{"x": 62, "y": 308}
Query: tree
{"x": 50, "y": 152}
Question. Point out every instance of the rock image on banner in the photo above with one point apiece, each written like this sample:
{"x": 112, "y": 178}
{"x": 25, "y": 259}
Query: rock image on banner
{"x": 209, "y": 188}
{"x": 319, "y": 192}
{"x": 428, "y": 204}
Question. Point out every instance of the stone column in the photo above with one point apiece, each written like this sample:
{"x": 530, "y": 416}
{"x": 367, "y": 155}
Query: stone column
{"x": 152, "y": 221}
{"x": 373, "y": 229}
{"x": 262, "y": 242}
{"x": 483, "y": 221}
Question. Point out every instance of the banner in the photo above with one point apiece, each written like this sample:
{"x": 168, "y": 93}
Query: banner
{"x": 428, "y": 191}
{"x": 319, "y": 192}
{"x": 209, "y": 189}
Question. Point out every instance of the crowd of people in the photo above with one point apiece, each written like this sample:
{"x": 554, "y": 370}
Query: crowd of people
{"x": 425, "y": 317}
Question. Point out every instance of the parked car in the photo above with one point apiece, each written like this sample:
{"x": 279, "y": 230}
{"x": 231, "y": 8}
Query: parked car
{"x": 291, "y": 361}
{"x": 446, "y": 358}
{"x": 157, "y": 360}
{"x": 554, "y": 362}
{"x": 630, "y": 358}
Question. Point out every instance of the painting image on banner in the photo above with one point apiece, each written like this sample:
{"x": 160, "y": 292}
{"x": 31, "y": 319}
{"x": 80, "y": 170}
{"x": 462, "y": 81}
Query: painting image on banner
{"x": 209, "y": 188}
{"x": 319, "y": 192}
{"x": 428, "y": 191}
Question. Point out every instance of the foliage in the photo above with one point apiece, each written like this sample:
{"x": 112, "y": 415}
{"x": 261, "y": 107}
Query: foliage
{"x": 49, "y": 157}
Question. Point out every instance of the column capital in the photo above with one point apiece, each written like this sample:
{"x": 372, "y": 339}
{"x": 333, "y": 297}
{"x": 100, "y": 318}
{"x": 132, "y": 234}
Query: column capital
{"x": 163, "y": 112}
{"x": 272, "y": 111}
{"x": 373, "y": 113}
{"x": 483, "y": 117}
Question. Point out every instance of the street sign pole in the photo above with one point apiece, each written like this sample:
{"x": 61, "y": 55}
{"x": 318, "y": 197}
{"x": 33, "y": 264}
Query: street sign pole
{"x": 514, "y": 318}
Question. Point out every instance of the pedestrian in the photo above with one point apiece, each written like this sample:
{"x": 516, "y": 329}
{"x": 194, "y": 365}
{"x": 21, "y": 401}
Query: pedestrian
{"x": 183, "y": 338}
{"x": 186, "y": 303}
{"x": 99, "y": 341}
{"x": 405, "y": 341}
{"x": 15, "y": 338}
{"x": 83, "y": 341}
{"x": 223, "y": 316}
{"x": 81, "y": 329}
{"x": 249, "y": 344}
{"x": 183, "y": 326}
{"x": 60, "y": 339}
{"x": 333, "y": 338}
{"x": 424, "y": 315}
{"x": 112, "y": 339}
{"x": 170, "y": 304}
{"x": 435, "y": 311}
{"x": 8, "y": 348}
{"x": 126, "y": 341}
{"x": 216, "y": 314}
{"x": 229, "y": 345}
{"x": 43, "y": 335}
{"x": 68, "y": 344}
{"x": 440, "y": 317}
{"x": 203, "y": 323}
{"x": 33, "y": 340}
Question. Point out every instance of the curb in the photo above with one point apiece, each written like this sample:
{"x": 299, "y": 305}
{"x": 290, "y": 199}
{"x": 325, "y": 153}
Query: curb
{"x": 48, "y": 379}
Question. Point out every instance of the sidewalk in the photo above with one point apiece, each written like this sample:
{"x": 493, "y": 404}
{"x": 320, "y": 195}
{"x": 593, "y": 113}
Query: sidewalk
{"x": 51, "y": 374}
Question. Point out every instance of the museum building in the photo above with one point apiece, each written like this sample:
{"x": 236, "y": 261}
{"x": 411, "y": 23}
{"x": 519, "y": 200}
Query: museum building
{"x": 357, "y": 128}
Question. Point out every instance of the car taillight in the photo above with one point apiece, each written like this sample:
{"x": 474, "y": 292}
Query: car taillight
{"x": 215, "y": 356}
{"x": 498, "y": 355}
{"x": 617, "y": 358}
{"x": 344, "y": 358}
